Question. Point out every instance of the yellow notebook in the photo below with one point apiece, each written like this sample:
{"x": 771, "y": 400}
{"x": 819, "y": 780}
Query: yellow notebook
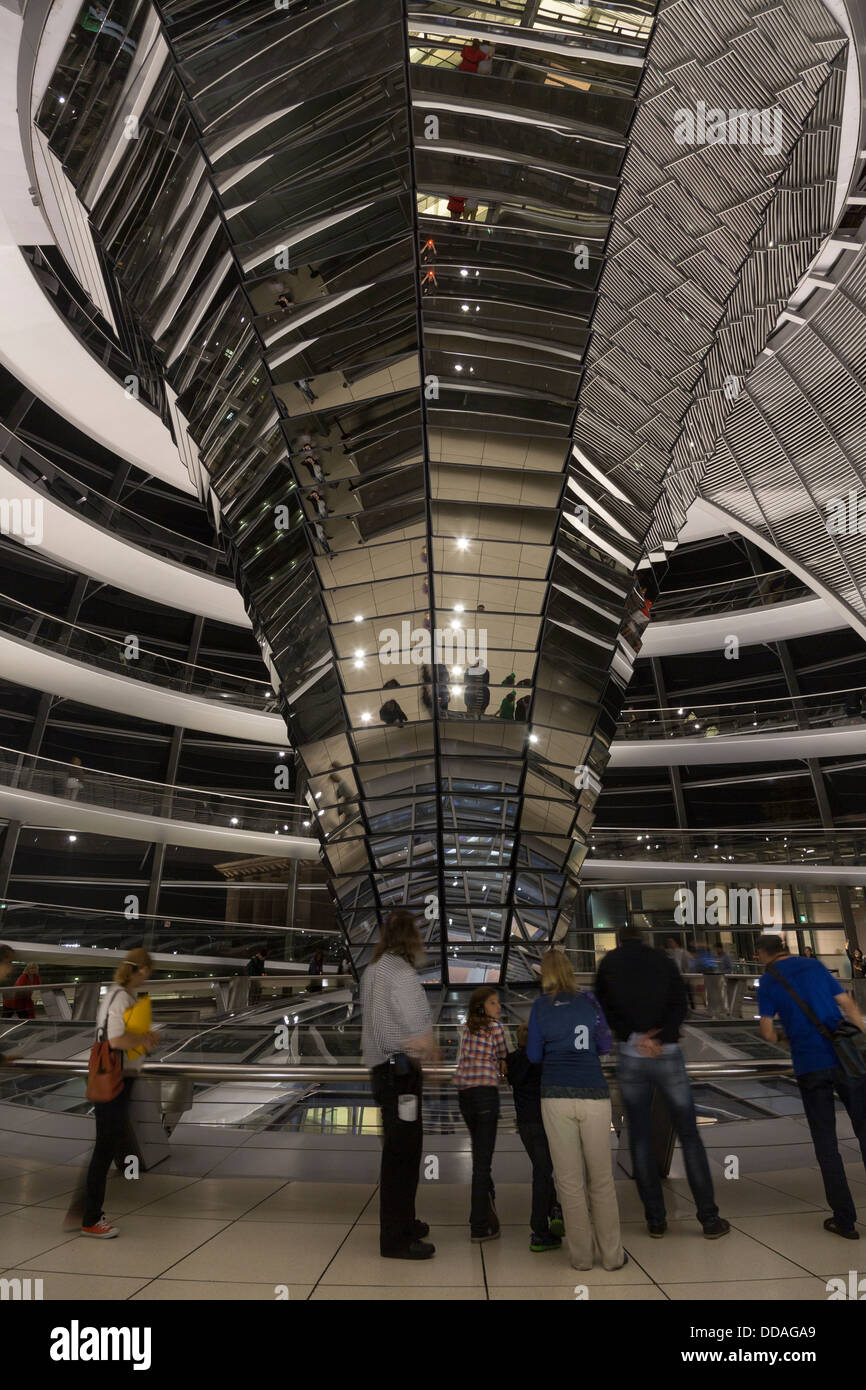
{"x": 138, "y": 1019}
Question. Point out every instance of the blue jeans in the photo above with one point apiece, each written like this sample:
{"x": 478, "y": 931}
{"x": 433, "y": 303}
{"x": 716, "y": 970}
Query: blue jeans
{"x": 819, "y": 1102}
{"x": 637, "y": 1076}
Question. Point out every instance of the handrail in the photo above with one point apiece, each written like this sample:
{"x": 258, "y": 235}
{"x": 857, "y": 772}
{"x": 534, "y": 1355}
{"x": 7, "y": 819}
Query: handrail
{"x": 213, "y": 1071}
{"x": 165, "y": 985}
{"x": 260, "y": 695}
{"x": 175, "y": 923}
{"x": 180, "y": 547}
{"x": 675, "y": 710}
{"x": 166, "y": 788}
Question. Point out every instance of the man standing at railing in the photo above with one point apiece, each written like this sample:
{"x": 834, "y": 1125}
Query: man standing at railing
{"x": 811, "y": 1006}
{"x": 397, "y": 1037}
{"x": 644, "y": 1000}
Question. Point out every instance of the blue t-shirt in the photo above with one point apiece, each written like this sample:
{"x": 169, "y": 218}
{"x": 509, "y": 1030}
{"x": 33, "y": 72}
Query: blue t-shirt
{"x": 818, "y": 988}
{"x": 566, "y": 1034}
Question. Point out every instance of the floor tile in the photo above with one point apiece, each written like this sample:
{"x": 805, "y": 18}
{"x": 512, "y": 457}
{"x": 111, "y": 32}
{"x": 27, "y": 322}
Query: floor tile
{"x": 29, "y": 1188}
{"x": 59, "y": 1287}
{"x": 331, "y": 1203}
{"x": 390, "y": 1293}
{"x": 171, "y": 1290}
{"x": 802, "y": 1239}
{"x": 746, "y": 1197}
{"x": 287, "y": 1252}
{"x": 145, "y": 1247}
{"x": 29, "y": 1232}
{"x": 562, "y": 1293}
{"x": 684, "y": 1256}
{"x": 752, "y": 1290}
{"x": 456, "y": 1264}
{"x": 124, "y": 1195}
{"x": 509, "y": 1261}
{"x": 225, "y": 1197}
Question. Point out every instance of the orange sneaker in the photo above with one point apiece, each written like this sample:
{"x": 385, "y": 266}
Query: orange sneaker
{"x": 103, "y": 1230}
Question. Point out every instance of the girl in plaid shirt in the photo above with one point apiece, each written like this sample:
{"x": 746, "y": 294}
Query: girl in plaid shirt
{"x": 480, "y": 1068}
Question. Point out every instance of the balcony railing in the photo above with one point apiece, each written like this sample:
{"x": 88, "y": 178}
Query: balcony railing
{"x": 831, "y": 709}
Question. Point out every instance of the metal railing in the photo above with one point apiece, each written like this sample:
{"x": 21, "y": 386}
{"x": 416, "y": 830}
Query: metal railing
{"x": 749, "y": 591}
{"x": 93, "y": 786}
{"x": 830, "y": 709}
{"x": 767, "y": 846}
{"x": 49, "y": 479}
{"x": 118, "y": 656}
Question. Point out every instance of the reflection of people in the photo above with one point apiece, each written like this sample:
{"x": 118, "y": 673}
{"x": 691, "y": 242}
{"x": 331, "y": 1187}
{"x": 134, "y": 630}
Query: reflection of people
{"x": 21, "y": 1004}
{"x": 6, "y": 959}
{"x": 397, "y": 1036}
{"x": 456, "y": 207}
{"x": 471, "y": 55}
{"x": 476, "y": 688}
{"x": 390, "y": 712}
{"x": 255, "y": 969}
{"x": 855, "y": 957}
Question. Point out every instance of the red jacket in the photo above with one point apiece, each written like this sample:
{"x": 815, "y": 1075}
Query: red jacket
{"x": 23, "y": 1003}
{"x": 471, "y": 56}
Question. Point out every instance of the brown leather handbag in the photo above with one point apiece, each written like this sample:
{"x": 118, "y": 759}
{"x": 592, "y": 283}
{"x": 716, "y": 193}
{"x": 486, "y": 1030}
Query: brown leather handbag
{"x": 105, "y": 1067}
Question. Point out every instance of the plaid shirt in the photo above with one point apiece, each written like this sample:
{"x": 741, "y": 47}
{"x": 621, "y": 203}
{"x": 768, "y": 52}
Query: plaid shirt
{"x": 480, "y": 1055}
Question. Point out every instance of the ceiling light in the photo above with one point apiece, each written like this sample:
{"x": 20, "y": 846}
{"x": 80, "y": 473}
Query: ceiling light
{"x": 458, "y": 366}
{"x": 234, "y": 820}
{"x": 462, "y": 543}
{"x": 533, "y": 738}
{"x": 359, "y": 617}
{"x": 359, "y": 665}
{"x": 358, "y": 653}
{"x": 465, "y": 308}
{"x": 464, "y": 273}
{"x": 73, "y": 838}
{"x": 365, "y": 717}
{"x": 459, "y": 608}
{"x": 457, "y": 670}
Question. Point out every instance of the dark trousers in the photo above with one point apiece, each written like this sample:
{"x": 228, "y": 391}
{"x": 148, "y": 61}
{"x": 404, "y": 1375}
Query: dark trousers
{"x": 818, "y": 1090}
{"x": 402, "y": 1142}
{"x": 534, "y": 1141}
{"x": 115, "y": 1141}
{"x": 637, "y": 1076}
{"x": 479, "y": 1106}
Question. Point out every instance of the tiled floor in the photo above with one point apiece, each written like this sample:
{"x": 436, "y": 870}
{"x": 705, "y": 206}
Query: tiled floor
{"x": 262, "y": 1238}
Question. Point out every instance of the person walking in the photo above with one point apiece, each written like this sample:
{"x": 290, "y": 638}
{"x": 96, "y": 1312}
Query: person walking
{"x": 396, "y": 1038}
{"x": 567, "y": 1034}
{"x": 644, "y": 1000}
{"x": 684, "y": 963}
{"x": 812, "y": 1004}
{"x": 524, "y": 1077}
{"x": 480, "y": 1069}
{"x": 115, "y": 1140}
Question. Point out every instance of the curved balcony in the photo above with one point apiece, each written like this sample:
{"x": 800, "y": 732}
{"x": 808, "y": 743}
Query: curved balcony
{"x": 772, "y": 855}
{"x": 831, "y": 709}
{"x": 73, "y": 938}
{"x": 51, "y": 481}
{"x": 68, "y": 796}
{"x": 111, "y": 654}
{"x": 729, "y": 595}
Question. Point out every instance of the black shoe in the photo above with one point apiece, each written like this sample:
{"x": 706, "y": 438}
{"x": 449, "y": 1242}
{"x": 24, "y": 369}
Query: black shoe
{"x": 420, "y": 1230}
{"x": 418, "y": 1250}
{"x": 623, "y": 1265}
{"x": 716, "y": 1228}
{"x": 657, "y": 1229}
{"x": 831, "y": 1226}
{"x": 540, "y": 1244}
{"x": 491, "y": 1233}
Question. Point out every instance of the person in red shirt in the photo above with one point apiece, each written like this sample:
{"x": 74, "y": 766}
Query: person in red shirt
{"x": 472, "y": 54}
{"x": 21, "y": 1003}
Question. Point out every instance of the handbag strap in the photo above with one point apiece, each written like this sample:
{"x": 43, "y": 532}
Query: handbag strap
{"x": 810, "y": 1013}
{"x": 109, "y": 999}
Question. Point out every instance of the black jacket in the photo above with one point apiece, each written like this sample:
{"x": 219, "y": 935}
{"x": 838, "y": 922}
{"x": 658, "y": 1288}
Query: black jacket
{"x": 640, "y": 989}
{"x": 524, "y": 1078}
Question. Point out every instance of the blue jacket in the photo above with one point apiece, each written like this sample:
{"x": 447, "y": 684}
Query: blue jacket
{"x": 567, "y": 1032}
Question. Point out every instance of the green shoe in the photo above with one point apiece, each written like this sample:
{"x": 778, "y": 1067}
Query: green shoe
{"x": 557, "y": 1225}
{"x": 539, "y": 1244}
